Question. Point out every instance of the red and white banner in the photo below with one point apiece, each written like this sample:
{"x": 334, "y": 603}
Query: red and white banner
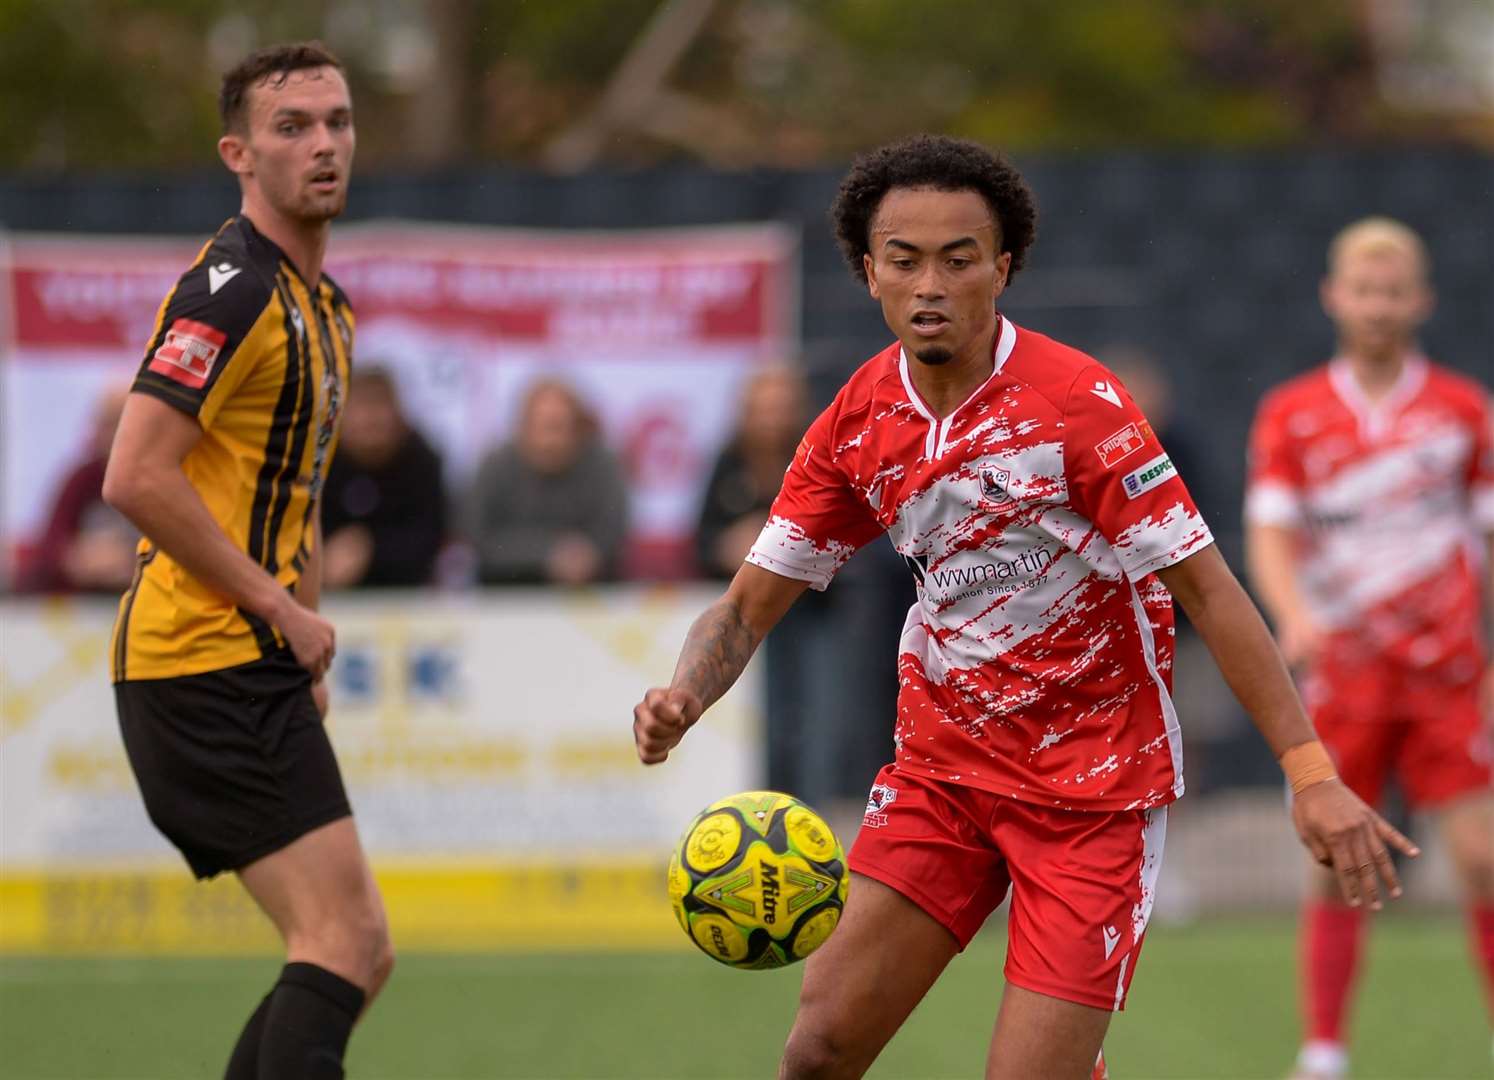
{"x": 656, "y": 329}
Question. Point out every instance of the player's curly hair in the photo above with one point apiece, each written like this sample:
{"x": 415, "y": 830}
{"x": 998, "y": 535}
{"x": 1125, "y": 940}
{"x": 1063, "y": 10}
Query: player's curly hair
{"x": 271, "y": 64}
{"x": 944, "y": 164}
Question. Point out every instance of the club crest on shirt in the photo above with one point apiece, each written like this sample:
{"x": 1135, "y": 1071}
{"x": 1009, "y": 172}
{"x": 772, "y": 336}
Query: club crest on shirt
{"x": 993, "y": 483}
{"x": 881, "y": 797}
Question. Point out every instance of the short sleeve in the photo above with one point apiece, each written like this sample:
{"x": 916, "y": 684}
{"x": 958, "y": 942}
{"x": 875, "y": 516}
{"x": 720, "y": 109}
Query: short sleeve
{"x": 817, "y": 521}
{"x": 1481, "y": 483}
{"x": 1274, "y": 481}
{"x": 1123, "y": 481}
{"x": 191, "y": 362}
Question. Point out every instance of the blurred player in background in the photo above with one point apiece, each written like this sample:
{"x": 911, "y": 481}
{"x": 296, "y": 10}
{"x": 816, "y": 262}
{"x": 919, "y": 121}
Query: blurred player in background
{"x": 1036, "y": 744}
{"x": 1370, "y": 516}
{"x": 218, "y": 651}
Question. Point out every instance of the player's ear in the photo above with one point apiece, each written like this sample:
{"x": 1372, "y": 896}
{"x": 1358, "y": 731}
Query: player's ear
{"x": 1326, "y": 297}
{"x": 1003, "y": 270}
{"x": 870, "y": 268}
{"x": 234, "y": 150}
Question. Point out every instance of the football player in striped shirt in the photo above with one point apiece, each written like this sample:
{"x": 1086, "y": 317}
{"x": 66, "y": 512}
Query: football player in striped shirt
{"x": 218, "y": 650}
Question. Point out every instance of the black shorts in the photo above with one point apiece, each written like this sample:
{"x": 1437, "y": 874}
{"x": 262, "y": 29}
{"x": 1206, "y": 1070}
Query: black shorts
{"x": 233, "y": 764}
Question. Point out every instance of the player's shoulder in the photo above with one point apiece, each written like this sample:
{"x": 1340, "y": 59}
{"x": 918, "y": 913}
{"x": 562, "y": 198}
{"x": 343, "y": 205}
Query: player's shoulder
{"x": 230, "y": 281}
{"x": 1457, "y": 389}
{"x": 1305, "y": 390}
{"x": 1052, "y": 369}
{"x": 878, "y": 380}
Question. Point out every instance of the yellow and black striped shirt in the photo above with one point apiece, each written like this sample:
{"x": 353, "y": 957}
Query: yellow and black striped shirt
{"x": 261, "y": 360}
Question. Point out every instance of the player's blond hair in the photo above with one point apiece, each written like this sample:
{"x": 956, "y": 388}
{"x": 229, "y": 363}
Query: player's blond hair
{"x": 1375, "y": 236}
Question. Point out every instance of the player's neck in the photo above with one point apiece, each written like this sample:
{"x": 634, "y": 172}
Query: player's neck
{"x": 945, "y": 387}
{"x": 304, "y": 243}
{"x": 1377, "y": 371}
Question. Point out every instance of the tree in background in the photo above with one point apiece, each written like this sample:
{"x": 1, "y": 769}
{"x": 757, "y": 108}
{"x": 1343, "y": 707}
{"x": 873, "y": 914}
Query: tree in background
{"x": 567, "y": 84}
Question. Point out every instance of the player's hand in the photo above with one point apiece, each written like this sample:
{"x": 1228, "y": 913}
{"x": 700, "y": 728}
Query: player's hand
{"x": 321, "y": 695}
{"x": 1300, "y": 640}
{"x": 346, "y": 556}
{"x": 574, "y": 560}
{"x": 1347, "y": 836}
{"x": 311, "y": 637}
{"x": 660, "y": 721}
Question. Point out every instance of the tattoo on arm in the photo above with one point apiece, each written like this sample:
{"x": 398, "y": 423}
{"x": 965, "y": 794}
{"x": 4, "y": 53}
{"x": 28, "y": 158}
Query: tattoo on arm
{"x": 715, "y": 653}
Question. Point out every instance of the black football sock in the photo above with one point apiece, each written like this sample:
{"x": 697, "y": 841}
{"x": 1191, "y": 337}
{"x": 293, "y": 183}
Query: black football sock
{"x": 307, "y": 1025}
{"x": 243, "y": 1064}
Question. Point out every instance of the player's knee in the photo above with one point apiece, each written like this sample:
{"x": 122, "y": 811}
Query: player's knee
{"x": 1476, "y": 868}
{"x": 357, "y": 943}
{"x": 815, "y": 1055}
{"x": 383, "y": 961}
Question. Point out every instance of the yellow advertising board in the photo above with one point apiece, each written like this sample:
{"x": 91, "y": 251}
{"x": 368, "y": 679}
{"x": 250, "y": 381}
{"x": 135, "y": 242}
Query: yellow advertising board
{"x": 486, "y": 744}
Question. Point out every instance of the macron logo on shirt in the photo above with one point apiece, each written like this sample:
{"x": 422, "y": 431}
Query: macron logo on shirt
{"x": 1105, "y": 392}
{"x": 221, "y": 275}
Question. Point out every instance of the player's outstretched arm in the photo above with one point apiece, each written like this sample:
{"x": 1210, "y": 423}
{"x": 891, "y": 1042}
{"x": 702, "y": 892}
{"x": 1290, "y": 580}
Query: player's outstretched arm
{"x": 145, "y": 481}
{"x": 1334, "y": 823}
{"x": 1486, "y": 687}
{"x": 1270, "y": 552}
{"x": 715, "y": 653}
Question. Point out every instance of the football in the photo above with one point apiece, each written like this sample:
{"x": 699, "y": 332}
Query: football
{"x": 758, "y": 880}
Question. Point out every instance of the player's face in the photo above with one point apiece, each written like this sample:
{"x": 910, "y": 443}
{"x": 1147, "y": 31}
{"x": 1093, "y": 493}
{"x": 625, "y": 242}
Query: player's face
{"x": 1377, "y": 299}
{"x": 298, "y": 151}
{"x": 935, "y": 265}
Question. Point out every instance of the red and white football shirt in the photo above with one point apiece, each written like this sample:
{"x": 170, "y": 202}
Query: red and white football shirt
{"x": 1389, "y": 499}
{"x": 1032, "y": 517}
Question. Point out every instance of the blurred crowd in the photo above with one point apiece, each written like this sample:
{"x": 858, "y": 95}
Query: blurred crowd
{"x": 549, "y": 506}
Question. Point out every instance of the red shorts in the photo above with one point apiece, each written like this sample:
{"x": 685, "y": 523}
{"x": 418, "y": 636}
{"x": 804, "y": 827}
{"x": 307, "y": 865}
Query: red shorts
{"x": 1423, "y": 725}
{"x": 1082, "y": 882}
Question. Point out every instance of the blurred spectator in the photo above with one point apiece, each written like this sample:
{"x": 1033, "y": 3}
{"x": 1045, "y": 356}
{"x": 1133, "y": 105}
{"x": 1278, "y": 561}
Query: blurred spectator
{"x": 87, "y": 545}
{"x": 551, "y": 506}
{"x": 810, "y": 734}
{"x": 383, "y": 508}
{"x": 1152, "y": 390}
{"x": 1219, "y": 744}
{"x": 773, "y": 415}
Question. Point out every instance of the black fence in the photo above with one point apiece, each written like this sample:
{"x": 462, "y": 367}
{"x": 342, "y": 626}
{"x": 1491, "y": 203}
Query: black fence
{"x": 1210, "y": 263}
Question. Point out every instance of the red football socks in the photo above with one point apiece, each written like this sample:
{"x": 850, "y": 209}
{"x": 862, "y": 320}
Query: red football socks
{"x": 1481, "y": 920}
{"x": 1332, "y": 935}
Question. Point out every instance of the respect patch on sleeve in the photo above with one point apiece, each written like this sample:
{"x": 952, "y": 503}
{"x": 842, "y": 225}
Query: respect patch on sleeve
{"x": 1157, "y": 471}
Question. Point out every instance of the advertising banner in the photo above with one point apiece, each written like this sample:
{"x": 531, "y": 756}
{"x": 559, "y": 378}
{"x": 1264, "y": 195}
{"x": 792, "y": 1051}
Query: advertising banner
{"x": 656, "y": 330}
{"x": 486, "y": 744}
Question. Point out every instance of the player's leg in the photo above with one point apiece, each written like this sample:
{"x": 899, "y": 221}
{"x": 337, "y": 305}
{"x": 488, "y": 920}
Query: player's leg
{"x": 925, "y": 878}
{"x": 1364, "y": 745}
{"x": 1038, "y": 1035}
{"x": 237, "y": 770}
{"x": 321, "y": 895}
{"x": 313, "y": 881}
{"x": 1083, "y": 884}
{"x": 863, "y": 982}
{"x": 1468, "y": 830}
{"x": 1445, "y": 767}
